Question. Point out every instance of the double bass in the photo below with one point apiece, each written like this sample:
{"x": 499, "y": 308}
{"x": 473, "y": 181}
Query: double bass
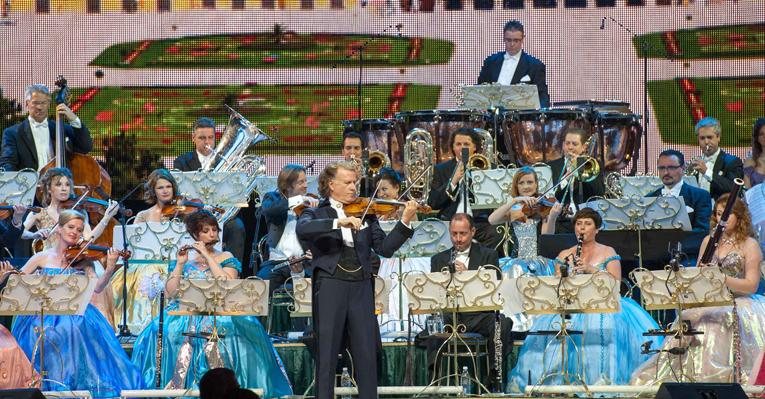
{"x": 87, "y": 172}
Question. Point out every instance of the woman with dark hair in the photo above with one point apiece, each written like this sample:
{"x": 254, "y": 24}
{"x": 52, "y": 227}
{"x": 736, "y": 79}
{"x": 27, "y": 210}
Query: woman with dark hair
{"x": 160, "y": 190}
{"x": 81, "y": 352}
{"x": 711, "y": 357}
{"x": 245, "y": 347}
{"x": 754, "y": 166}
{"x": 609, "y": 344}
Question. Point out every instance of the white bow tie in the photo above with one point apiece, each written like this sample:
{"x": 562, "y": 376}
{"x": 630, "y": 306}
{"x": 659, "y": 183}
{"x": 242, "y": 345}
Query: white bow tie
{"x": 466, "y": 253}
{"x": 38, "y": 125}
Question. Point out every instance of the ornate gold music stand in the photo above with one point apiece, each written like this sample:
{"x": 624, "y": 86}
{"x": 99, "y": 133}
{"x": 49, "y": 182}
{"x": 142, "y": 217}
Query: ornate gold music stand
{"x": 467, "y": 291}
{"x": 41, "y": 295}
{"x": 679, "y": 289}
{"x": 218, "y": 297}
{"x": 562, "y": 296}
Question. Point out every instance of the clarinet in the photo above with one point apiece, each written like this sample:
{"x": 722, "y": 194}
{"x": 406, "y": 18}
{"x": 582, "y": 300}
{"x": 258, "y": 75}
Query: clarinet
{"x": 158, "y": 355}
{"x": 498, "y": 350}
{"x": 578, "y": 253}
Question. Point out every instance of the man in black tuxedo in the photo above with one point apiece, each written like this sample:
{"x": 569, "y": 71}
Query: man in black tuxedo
{"x": 573, "y": 191}
{"x": 466, "y": 254}
{"x": 31, "y": 143}
{"x": 10, "y": 229}
{"x": 278, "y": 209}
{"x": 446, "y": 189}
{"x": 514, "y": 65}
{"x": 343, "y": 288}
{"x": 203, "y": 157}
{"x": 716, "y": 168}
{"x": 671, "y": 167}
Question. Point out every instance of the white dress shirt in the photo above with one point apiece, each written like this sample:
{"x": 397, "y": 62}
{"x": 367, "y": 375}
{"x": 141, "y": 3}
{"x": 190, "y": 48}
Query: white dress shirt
{"x": 205, "y": 160}
{"x": 464, "y": 257}
{"x": 41, "y": 135}
{"x": 675, "y": 192}
{"x": 509, "y": 65}
{"x": 706, "y": 179}
{"x": 346, "y": 231}
{"x": 289, "y": 245}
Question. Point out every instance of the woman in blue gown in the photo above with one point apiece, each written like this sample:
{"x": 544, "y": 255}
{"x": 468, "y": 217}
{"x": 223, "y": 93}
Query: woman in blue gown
{"x": 610, "y": 344}
{"x": 81, "y": 352}
{"x": 245, "y": 346}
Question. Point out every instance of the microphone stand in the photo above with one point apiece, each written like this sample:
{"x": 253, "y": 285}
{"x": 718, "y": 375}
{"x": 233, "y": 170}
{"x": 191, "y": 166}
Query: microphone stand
{"x": 645, "y": 45}
{"x": 124, "y": 332}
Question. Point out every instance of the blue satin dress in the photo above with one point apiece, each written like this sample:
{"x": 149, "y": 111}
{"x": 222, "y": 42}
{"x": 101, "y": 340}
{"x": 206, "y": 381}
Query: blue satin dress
{"x": 244, "y": 348}
{"x": 609, "y": 347}
{"x": 81, "y": 352}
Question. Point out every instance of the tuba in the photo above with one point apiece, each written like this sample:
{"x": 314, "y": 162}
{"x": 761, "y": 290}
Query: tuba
{"x": 239, "y": 135}
{"x": 418, "y": 162}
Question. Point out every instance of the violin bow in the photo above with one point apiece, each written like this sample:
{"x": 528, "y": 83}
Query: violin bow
{"x": 417, "y": 179}
{"x": 79, "y": 200}
{"x": 374, "y": 194}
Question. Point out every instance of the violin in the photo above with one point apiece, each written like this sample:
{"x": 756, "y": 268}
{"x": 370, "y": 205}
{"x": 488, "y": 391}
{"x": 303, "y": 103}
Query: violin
{"x": 378, "y": 207}
{"x": 91, "y": 252}
{"x": 7, "y": 210}
{"x": 184, "y": 207}
{"x": 541, "y": 209}
{"x": 94, "y": 207}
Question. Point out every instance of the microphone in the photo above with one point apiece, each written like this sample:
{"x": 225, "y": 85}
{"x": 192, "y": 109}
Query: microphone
{"x": 677, "y": 351}
{"x": 646, "y": 347}
{"x": 465, "y": 156}
{"x": 603, "y": 23}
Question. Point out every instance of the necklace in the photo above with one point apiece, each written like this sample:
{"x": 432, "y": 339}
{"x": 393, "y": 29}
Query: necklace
{"x": 728, "y": 241}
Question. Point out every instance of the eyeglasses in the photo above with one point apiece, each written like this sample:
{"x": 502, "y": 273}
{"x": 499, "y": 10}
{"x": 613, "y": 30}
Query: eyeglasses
{"x": 665, "y": 168}
{"x": 510, "y": 40}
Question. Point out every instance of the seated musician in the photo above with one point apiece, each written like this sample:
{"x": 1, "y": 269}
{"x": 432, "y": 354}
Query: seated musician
{"x": 671, "y": 167}
{"x": 388, "y": 183}
{"x": 573, "y": 191}
{"x": 467, "y": 254}
{"x": 160, "y": 190}
{"x": 609, "y": 344}
{"x": 287, "y": 256}
{"x": 57, "y": 186}
{"x": 203, "y": 157}
{"x": 31, "y": 142}
{"x": 446, "y": 194}
{"x": 10, "y": 228}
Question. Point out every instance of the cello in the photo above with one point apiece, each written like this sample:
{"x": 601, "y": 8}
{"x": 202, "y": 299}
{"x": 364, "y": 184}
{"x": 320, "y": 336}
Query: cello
{"x": 86, "y": 171}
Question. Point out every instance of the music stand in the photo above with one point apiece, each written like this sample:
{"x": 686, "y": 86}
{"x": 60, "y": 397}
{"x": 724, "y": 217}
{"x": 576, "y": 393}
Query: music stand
{"x": 18, "y": 187}
{"x": 494, "y": 95}
{"x": 302, "y": 293}
{"x": 679, "y": 289}
{"x": 218, "y": 297}
{"x": 466, "y": 291}
{"x": 562, "y": 296}
{"x": 39, "y": 294}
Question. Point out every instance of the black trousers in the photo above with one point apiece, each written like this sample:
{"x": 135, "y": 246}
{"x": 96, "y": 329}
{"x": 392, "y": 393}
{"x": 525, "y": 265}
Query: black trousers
{"x": 342, "y": 308}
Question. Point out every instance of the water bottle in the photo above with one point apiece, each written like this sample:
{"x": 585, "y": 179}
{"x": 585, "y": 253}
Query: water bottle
{"x": 466, "y": 382}
{"x": 346, "y": 382}
{"x": 439, "y": 323}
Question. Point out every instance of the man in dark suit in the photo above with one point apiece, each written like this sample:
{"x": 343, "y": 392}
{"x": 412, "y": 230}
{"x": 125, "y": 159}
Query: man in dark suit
{"x": 671, "y": 167}
{"x": 31, "y": 143}
{"x": 343, "y": 288}
{"x": 202, "y": 157}
{"x": 278, "y": 209}
{"x": 10, "y": 229}
{"x": 447, "y": 189}
{"x": 574, "y": 190}
{"x": 716, "y": 168}
{"x": 514, "y": 66}
{"x": 466, "y": 254}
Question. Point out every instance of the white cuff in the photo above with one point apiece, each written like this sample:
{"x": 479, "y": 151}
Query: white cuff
{"x": 294, "y": 201}
{"x": 76, "y": 123}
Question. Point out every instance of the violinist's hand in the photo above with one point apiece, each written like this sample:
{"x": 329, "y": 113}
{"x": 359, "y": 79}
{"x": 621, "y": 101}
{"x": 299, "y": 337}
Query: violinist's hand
{"x": 410, "y": 211}
{"x": 18, "y": 214}
{"x": 5, "y": 270}
{"x": 459, "y": 266}
{"x": 458, "y": 173}
{"x": 42, "y": 234}
{"x": 310, "y": 202}
{"x": 111, "y": 259}
{"x": 308, "y": 254}
{"x": 296, "y": 267}
{"x": 352, "y": 222}
{"x": 181, "y": 258}
{"x": 112, "y": 209}
{"x": 555, "y": 211}
{"x": 63, "y": 109}
{"x": 523, "y": 200}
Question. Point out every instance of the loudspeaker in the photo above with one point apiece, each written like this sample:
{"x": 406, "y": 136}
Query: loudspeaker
{"x": 700, "y": 390}
{"x": 32, "y": 393}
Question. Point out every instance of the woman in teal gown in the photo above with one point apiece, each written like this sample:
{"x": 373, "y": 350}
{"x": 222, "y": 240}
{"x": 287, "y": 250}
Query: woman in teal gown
{"x": 244, "y": 347}
{"x": 610, "y": 343}
{"x": 81, "y": 352}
